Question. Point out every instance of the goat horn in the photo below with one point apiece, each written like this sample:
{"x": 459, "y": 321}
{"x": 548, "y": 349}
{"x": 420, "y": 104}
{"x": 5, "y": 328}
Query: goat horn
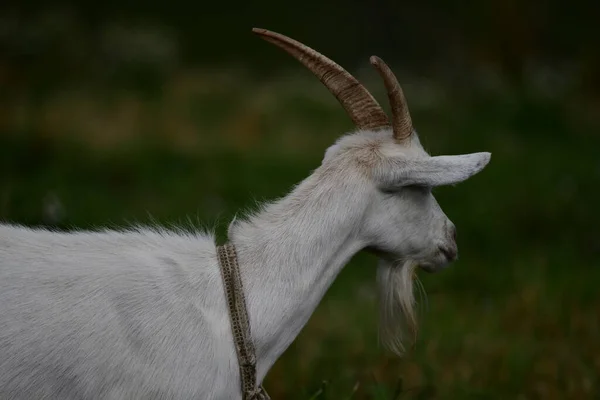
{"x": 360, "y": 105}
{"x": 401, "y": 121}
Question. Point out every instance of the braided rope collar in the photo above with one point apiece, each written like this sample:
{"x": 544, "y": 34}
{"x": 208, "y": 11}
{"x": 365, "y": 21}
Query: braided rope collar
{"x": 240, "y": 326}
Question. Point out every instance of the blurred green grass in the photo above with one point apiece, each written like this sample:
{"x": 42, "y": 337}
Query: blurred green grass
{"x": 518, "y": 316}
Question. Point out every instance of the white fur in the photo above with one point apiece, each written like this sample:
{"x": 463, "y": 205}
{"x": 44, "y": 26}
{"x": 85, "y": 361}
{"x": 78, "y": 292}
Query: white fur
{"x": 141, "y": 313}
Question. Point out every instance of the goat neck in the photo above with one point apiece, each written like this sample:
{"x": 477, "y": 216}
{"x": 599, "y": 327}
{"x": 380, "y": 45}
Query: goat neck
{"x": 290, "y": 253}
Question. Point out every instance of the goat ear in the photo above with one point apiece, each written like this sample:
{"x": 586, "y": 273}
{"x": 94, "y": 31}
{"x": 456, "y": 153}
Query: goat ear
{"x": 431, "y": 171}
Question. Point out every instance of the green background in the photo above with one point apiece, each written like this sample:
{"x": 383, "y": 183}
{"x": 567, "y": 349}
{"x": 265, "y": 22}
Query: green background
{"x": 126, "y": 112}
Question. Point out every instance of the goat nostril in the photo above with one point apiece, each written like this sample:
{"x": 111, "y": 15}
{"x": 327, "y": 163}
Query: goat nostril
{"x": 454, "y": 233}
{"x": 449, "y": 253}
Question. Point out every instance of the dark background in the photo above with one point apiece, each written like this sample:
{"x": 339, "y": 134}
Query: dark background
{"x": 113, "y": 113}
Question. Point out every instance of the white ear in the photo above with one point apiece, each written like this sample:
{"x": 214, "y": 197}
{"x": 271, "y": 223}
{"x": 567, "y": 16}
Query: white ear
{"x": 431, "y": 171}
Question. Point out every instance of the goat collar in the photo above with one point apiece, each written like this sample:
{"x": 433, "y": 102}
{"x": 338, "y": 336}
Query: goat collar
{"x": 240, "y": 325}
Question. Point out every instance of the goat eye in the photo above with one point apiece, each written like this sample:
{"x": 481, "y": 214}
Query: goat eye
{"x": 420, "y": 189}
{"x": 389, "y": 191}
{"x": 416, "y": 187}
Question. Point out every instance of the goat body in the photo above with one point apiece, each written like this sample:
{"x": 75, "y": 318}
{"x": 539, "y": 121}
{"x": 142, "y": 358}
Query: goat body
{"x": 142, "y": 313}
{"x": 112, "y": 315}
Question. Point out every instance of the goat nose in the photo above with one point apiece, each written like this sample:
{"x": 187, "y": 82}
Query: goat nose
{"x": 453, "y": 232}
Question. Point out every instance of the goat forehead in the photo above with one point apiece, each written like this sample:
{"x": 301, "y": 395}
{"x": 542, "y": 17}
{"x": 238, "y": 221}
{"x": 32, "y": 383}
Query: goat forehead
{"x": 393, "y": 149}
{"x": 381, "y": 142}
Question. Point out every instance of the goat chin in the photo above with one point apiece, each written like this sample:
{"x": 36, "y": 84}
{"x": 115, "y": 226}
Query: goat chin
{"x": 397, "y": 320}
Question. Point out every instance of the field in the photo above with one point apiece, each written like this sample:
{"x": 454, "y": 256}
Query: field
{"x": 517, "y": 316}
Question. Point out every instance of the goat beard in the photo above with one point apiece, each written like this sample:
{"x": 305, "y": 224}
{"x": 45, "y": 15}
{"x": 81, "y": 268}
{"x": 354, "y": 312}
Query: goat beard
{"x": 397, "y": 320}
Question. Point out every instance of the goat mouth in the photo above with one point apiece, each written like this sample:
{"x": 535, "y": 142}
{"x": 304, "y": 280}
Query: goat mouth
{"x": 429, "y": 268}
{"x": 442, "y": 262}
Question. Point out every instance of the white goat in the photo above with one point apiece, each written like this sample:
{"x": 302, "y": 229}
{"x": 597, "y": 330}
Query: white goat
{"x": 141, "y": 314}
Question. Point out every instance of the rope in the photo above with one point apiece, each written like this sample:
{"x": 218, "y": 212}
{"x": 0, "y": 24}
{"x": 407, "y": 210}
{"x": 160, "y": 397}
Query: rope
{"x": 240, "y": 325}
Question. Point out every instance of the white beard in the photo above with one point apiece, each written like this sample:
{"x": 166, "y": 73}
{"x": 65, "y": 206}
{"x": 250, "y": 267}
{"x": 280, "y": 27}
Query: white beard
{"x": 397, "y": 304}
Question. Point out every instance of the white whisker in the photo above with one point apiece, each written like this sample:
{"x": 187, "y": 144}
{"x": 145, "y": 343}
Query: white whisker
{"x": 397, "y": 311}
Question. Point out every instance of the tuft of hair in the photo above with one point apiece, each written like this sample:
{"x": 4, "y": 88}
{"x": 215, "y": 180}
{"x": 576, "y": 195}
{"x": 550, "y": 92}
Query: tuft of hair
{"x": 397, "y": 319}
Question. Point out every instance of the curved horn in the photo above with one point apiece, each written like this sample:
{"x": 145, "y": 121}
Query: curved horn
{"x": 362, "y": 108}
{"x": 401, "y": 121}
